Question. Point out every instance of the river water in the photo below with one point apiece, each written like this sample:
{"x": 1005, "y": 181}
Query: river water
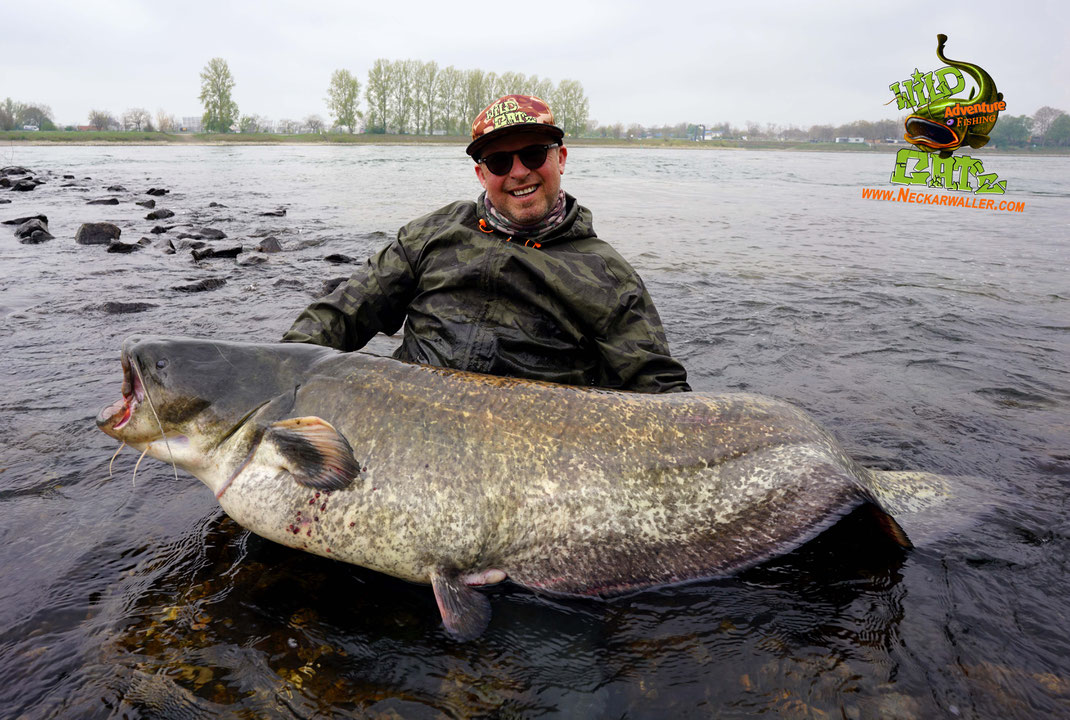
{"x": 926, "y": 337}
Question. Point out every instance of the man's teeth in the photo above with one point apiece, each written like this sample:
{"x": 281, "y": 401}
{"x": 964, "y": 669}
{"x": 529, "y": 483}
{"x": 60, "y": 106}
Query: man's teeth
{"x": 521, "y": 193}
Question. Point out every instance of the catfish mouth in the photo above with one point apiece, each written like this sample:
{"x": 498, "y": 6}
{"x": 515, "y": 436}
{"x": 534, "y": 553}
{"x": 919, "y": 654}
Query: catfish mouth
{"x": 926, "y": 133}
{"x": 115, "y": 417}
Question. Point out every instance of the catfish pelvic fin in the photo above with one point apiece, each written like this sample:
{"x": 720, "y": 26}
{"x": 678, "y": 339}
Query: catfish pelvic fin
{"x": 313, "y": 453}
{"x": 465, "y": 612}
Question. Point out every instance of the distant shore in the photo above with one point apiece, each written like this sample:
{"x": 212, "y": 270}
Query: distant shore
{"x": 66, "y": 137}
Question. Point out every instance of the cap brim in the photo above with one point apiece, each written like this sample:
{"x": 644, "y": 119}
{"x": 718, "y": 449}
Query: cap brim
{"x": 475, "y": 147}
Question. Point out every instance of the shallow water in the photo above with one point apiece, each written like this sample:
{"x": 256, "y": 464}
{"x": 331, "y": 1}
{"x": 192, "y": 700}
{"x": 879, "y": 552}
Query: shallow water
{"x": 925, "y": 337}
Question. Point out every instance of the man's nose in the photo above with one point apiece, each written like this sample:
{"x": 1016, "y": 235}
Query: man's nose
{"x": 518, "y": 169}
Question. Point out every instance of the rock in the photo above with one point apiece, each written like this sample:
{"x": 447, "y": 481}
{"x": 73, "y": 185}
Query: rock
{"x": 97, "y": 234}
{"x": 289, "y": 282}
{"x": 4, "y": 182}
{"x": 209, "y": 253}
{"x": 21, "y": 220}
{"x": 340, "y": 259}
{"x": 104, "y": 201}
{"x": 4, "y": 201}
{"x": 123, "y": 308}
{"x": 24, "y": 186}
{"x": 170, "y": 249}
{"x": 329, "y": 286}
{"x": 270, "y": 245}
{"x": 248, "y": 260}
{"x": 33, "y": 226}
{"x": 161, "y": 229}
{"x": 116, "y": 188}
{"x": 216, "y": 205}
{"x": 204, "y": 234}
{"x": 157, "y": 191}
{"x": 145, "y": 241}
{"x": 36, "y": 238}
{"x": 159, "y": 215}
{"x": 150, "y": 204}
{"x": 187, "y": 244}
{"x": 68, "y": 177}
{"x": 14, "y": 170}
{"x": 202, "y": 286}
{"x": 120, "y": 247}
{"x": 281, "y": 212}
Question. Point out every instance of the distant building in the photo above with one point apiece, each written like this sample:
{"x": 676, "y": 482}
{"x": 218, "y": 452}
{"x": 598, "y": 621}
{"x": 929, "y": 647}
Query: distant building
{"x": 856, "y": 140}
{"x": 713, "y": 134}
{"x": 31, "y": 128}
{"x": 191, "y": 125}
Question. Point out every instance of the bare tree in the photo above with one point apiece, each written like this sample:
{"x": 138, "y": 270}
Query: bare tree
{"x": 164, "y": 122}
{"x": 101, "y": 120}
{"x": 314, "y": 123}
{"x": 1043, "y": 118}
{"x": 136, "y": 119}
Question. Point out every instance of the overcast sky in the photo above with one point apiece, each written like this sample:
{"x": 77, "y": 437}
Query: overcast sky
{"x": 653, "y": 63}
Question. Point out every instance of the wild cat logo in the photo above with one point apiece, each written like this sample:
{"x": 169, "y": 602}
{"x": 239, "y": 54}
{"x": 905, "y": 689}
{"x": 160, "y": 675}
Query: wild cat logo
{"x": 941, "y": 123}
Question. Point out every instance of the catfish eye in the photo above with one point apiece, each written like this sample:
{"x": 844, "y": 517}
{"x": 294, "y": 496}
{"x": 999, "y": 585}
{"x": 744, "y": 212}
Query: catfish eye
{"x": 161, "y": 364}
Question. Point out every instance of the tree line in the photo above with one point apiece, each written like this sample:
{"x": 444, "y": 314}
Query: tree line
{"x": 404, "y": 97}
{"x": 413, "y": 97}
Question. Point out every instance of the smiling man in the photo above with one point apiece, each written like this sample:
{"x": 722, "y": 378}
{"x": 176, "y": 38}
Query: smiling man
{"x": 515, "y": 283}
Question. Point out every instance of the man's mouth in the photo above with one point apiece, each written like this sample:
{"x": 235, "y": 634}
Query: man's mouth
{"x": 522, "y": 192}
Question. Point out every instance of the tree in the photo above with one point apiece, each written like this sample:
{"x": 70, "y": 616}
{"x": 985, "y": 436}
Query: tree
{"x": 1059, "y": 131}
{"x": 343, "y": 94}
{"x": 400, "y": 81}
{"x": 101, "y": 120}
{"x": 136, "y": 119}
{"x": 314, "y": 123}
{"x": 1043, "y": 118}
{"x": 449, "y": 84}
{"x": 427, "y": 89}
{"x": 1011, "y": 130}
{"x": 570, "y": 107}
{"x": 220, "y": 110}
{"x": 288, "y": 127}
{"x": 9, "y": 112}
{"x": 378, "y": 95}
{"x": 165, "y": 123}
{"x": 35, "y": 114}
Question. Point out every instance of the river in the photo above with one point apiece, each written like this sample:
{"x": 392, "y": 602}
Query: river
{"x": 925, "y": 337}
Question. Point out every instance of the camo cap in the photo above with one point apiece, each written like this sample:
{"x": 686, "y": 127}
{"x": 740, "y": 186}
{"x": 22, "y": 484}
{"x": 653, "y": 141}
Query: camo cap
{"x": 512, "y": 113}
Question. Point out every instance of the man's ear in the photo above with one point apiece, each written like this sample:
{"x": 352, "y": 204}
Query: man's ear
{"x": 562, "y": 153}
{"x": 479, "y": 174}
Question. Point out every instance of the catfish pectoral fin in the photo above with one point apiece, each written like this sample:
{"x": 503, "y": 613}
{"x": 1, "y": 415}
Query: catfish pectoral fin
{"x": 313, "y": 452}
{"x": 465, "y": 612}
{"x": 976, "y": 141}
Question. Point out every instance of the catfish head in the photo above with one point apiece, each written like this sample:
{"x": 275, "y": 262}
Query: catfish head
{"x": 182, "y": 398}
{"x": 933, "y": 129}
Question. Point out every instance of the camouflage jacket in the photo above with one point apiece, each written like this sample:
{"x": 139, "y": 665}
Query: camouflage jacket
{"x": 562, "y": 307}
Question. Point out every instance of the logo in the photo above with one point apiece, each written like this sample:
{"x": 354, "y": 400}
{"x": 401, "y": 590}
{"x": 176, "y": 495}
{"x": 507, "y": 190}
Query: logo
{"x": 941, "y": 123}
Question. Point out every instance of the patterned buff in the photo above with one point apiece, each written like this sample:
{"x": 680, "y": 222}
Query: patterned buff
{"x": 504, "y": 225}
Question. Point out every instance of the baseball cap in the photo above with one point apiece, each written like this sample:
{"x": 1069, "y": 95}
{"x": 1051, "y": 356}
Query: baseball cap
{"x": 510, "y": 114}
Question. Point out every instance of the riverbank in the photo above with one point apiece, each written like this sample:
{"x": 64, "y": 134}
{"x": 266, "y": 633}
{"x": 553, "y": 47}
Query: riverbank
{"x": 68, "y": 137}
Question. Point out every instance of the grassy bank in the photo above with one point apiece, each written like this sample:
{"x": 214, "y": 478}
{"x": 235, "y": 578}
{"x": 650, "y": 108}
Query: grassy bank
{"x": 71, "y": 137}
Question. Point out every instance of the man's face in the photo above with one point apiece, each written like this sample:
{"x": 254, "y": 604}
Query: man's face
{"x": 522, "y": 195}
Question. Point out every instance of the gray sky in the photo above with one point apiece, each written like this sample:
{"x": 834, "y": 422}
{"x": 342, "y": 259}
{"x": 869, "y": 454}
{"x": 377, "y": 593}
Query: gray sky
{"x": 800, "y": 63}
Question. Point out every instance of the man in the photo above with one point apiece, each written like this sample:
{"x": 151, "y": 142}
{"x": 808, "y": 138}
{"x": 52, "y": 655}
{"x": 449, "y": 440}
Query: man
{"x": 516, "y": 283}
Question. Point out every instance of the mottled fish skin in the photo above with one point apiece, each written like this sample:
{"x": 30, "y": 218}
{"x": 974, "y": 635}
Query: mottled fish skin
{"x": 563, "y": 489}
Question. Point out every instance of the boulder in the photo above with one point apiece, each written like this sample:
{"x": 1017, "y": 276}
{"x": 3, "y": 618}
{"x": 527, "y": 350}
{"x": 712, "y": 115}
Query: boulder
{"x": 120, "y": 247}
{"x": 33, "y": 231}
{"x": 97, "y": 234}
{"x": 104, "y": 201}
{"x": 209, "y": 253}
{"x": 340, "y": 259}
{"x": 24, "y": 185}
{"x": 216, "y": 205}
{"x": 4, "y": 201}
{"x": 270, "y": 245}
{"x": 116, "y": 188}
{"x": 21, "y": 220}
{"x": 204, "y": 234}
{"x": 159, "y": 215}
{"x": 248, "y": 260}
{"x": 14, "y": 170}
{"x": 161, "y": 229}
{"x": 201, "y": 286}
{"x": 329, "y": 286}
{"x": 150, "y": 204}
{"x": 280, "y": 212}
{"x": 123, "y": 308}
{"x": 157, "y": 191}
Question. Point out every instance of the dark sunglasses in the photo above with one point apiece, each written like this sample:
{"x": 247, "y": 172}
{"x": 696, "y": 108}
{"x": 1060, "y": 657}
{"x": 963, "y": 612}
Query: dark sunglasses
{"x": 532, "y": 156}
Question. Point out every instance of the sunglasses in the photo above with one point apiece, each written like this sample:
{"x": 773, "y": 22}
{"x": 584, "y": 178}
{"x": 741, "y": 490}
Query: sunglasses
{"x": 532, "y": 156}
